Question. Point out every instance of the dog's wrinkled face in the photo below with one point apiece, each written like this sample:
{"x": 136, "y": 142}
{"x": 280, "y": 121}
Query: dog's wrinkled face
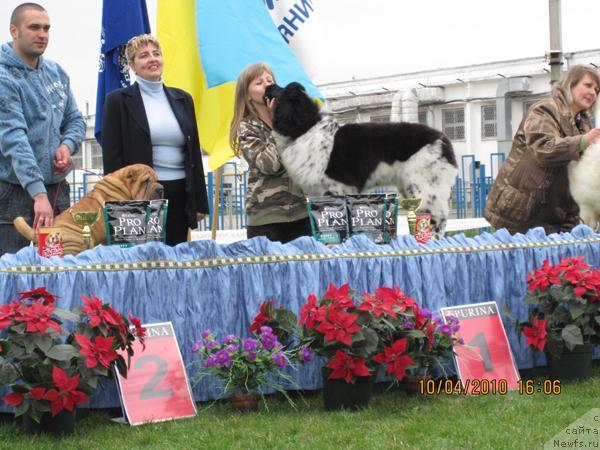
{"x": 141, "y": 181}
{"x": 295, "y": 112}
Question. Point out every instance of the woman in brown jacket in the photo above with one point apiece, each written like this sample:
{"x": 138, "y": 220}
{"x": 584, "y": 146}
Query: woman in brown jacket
{"x": 532, "y": 188}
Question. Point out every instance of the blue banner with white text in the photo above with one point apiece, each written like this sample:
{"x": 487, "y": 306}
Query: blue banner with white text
{"x": 121, "y": 20}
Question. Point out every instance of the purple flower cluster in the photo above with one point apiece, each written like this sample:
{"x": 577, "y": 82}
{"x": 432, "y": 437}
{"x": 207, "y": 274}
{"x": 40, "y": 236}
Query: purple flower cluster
{"x": 197, "y": 345}
{"x": 250, "y": 347}
{"x": 230, "y": 339}
{"x": 261, "y": 354}
{"x": 220, "y": 359}
{"x": 305, "y": 355}
{"x": 280, "y": 360}
{"x": 268, "y": 339}
{"x": 408, "y": 325}
{"x": 451, "y": 326}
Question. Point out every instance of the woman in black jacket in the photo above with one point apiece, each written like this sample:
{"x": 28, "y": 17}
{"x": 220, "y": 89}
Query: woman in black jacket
{"x": 152, "y": 124}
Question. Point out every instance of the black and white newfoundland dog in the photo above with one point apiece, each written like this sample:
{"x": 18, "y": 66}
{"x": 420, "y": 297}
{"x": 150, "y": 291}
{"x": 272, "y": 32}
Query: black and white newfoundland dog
{"x": 322, "y": 156}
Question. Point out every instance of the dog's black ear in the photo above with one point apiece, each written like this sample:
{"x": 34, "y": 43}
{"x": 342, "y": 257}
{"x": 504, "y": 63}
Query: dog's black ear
{"x": 295, "y": 85}
{"x": 295, "y": 112}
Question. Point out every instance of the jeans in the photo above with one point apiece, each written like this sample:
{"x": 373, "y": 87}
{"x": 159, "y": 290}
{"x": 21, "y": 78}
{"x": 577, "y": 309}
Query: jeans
{"x": 15, "y": 202}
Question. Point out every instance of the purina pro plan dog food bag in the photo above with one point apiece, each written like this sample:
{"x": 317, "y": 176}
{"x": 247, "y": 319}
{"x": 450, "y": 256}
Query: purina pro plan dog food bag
{"x": 126, "y": 222}
{"x": 391, "y": 217}
{"x": 156, "y": 229}
{"x": 366, "y": 215}
{"x": 328, "y": 219}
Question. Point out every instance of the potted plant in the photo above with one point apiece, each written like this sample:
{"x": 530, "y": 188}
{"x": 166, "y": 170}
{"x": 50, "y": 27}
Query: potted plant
{"x": 356, "y": 336}
{"x": 246, "y": 366}
{"x": 51, "y": 371}
{"x": 434, "y": 343}
{"x": 565, "y": 319}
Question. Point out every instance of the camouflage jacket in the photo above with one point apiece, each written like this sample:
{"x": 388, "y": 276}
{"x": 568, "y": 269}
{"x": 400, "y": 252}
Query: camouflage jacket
{"x": 532, "y": 187}
{"x": 271, "y": 197}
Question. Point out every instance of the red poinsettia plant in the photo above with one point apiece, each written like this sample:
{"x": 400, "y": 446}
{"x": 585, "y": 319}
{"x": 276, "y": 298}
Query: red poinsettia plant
{"x": 386, "y": 328}
{"x": 51, "y": 370}
{"x": 567, "y": 306}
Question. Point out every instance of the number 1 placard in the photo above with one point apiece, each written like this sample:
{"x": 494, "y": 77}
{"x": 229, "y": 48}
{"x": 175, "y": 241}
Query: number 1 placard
{"x": 486, "y": 354}
{"x": 156, "y": 387}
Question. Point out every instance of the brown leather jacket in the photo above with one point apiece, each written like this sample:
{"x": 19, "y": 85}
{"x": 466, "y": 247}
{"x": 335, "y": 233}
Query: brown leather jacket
{"x": 532, "y": 188}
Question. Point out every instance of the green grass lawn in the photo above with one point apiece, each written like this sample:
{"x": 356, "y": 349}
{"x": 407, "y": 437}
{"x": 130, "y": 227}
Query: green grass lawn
{"x": 393, "y": 420}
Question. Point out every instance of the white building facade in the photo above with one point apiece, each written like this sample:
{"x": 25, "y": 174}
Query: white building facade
{"x": 478, "y": 106}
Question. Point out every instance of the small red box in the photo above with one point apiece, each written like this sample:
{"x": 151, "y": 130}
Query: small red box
{"x": 50, "y": 241}
{"x": 423, "y": 228}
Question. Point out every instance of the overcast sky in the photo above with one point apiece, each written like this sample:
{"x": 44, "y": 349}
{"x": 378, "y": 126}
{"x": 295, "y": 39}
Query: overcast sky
{"x": 362, "y": 38}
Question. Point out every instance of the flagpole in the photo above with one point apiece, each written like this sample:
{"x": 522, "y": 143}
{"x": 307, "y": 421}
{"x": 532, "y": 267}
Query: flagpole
{"x": 215, "y": 209}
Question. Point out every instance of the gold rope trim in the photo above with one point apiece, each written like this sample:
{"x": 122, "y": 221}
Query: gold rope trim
{"x": 269, "y": 259}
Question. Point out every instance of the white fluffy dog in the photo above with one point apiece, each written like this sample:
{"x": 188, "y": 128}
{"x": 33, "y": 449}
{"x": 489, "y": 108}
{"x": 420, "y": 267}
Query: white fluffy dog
{"x": 322, "y": 156}
{"x": 584, "y": 183}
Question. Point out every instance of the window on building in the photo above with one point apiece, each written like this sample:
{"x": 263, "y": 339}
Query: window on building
{"x": 96, "y": 156}
{"x": 453, "y": 123}
{"x": 489, "y": 125}
{"x": 380, "y": 118}
{"x": 423, "y": 116}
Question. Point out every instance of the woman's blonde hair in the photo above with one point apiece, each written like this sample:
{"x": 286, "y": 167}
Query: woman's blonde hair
{"x": 574, "y": 76}
{"x": 134, "y": 44}
{"x": 242, "y": 107}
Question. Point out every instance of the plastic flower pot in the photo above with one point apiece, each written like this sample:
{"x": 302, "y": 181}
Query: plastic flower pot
{"x": 573, "y": 364}
{"x": 244, "y": 401}
{"x": 337, "y": 394}
{"x": 63, "y": 424}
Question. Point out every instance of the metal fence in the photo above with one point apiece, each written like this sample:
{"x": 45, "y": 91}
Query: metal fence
{"x": 468, "y": 197}
{"x": 473, "y": 185}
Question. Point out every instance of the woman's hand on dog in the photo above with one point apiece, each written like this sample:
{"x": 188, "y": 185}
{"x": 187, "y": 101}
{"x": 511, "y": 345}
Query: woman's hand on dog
{"x": 591, "y": 136}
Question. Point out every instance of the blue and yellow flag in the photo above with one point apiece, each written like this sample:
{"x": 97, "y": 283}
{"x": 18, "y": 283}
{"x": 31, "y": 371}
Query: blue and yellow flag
{"x": 206, "y": 44}
{"x": 121, "y": 20}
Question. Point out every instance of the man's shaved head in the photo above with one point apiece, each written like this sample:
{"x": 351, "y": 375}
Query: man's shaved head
{"x": 17, "y": 14}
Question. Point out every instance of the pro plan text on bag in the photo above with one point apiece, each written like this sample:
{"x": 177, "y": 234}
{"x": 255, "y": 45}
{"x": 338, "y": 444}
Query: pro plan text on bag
{"x": 366, "y": 214}
{"x": 156, "y": 229}
{"x": 126, "y": 222}
{"x": 391, "y": 217}
{"x": 328, "y": 219}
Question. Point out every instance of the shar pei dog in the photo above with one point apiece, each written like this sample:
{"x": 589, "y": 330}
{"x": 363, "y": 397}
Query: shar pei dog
{"x": 135, "y": 182}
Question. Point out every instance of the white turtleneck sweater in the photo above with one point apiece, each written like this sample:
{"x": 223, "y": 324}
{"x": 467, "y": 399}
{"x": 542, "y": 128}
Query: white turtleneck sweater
{"x": 167, "y": 138}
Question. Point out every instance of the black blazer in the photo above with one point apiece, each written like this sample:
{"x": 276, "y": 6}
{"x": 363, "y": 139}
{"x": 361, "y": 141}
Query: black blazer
{"x": 126, "y": 140}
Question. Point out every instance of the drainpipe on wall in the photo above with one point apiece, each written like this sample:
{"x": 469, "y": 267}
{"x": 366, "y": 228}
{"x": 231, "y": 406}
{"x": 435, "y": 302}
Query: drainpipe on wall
{"x": 507, "y": 89}
{"x": 405, "y": 104}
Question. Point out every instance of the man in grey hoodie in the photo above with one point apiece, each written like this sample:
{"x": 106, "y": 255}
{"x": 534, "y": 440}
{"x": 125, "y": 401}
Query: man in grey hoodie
{"x": 40, "y": 128}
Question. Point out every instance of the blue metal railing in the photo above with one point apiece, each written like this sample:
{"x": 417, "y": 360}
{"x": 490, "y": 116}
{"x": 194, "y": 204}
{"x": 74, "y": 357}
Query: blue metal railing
{"x": 473, "y": 184}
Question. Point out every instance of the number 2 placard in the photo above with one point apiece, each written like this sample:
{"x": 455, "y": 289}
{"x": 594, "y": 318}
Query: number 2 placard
{"x": 486, "y": 354}
{"x": 156, "y": 387}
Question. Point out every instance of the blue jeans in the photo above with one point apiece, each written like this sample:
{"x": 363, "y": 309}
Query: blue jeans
{"x": 15, "y": 202}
